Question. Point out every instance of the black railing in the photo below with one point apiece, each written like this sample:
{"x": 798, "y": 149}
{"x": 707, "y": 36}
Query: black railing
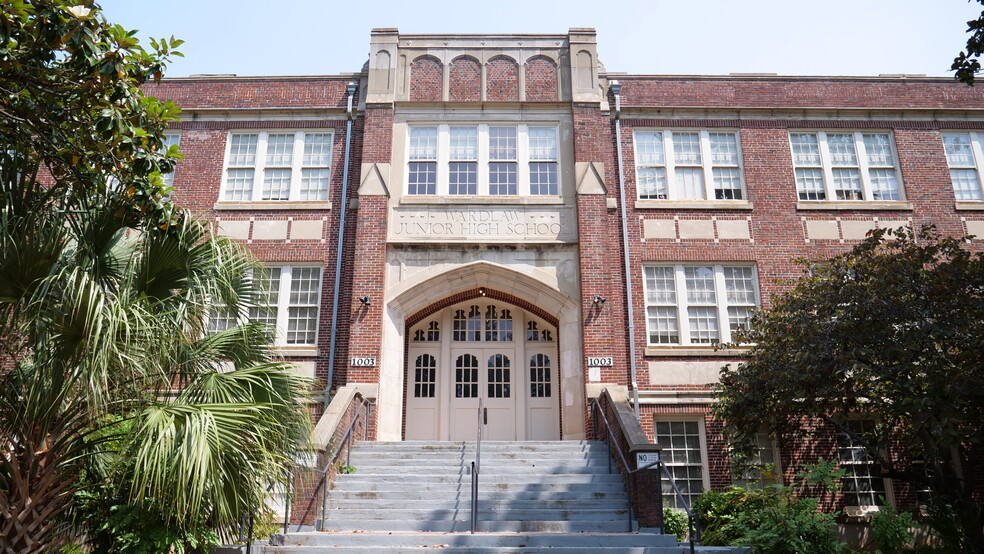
{"x": 693, "y": 522}
{"x": 476, "y": 466}
{"x": 345, "y": 440}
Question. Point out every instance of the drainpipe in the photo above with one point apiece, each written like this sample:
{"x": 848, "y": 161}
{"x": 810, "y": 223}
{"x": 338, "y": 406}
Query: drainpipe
{"x": 350, "y": 90}
{"x": 616, "y": 89}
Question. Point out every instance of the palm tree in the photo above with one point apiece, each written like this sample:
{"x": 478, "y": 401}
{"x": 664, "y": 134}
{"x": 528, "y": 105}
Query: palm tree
{"x": 108, "y": 378}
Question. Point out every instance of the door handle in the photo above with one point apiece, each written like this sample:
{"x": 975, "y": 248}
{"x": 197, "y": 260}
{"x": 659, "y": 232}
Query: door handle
{"x": 485, "y": 416}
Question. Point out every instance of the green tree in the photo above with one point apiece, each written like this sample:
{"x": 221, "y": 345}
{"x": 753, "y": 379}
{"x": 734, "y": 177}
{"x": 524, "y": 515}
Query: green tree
{"x": 110, "y": 384}
{"x": 967, "y": 65}
{"x": 892, "y": 331}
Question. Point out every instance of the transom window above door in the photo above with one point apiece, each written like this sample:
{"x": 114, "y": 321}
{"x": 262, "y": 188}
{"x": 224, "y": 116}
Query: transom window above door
{"x": 483, "y": 160}
{"x": 483, "y": 322}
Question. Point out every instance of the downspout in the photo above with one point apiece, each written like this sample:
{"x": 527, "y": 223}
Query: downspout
{"x": 616, "y": 89}
{"x": 350, "y": 90}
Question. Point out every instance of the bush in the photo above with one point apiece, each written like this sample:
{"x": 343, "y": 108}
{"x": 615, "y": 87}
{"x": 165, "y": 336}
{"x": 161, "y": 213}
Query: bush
{"x": 675, "y": 523}
{"x": 892, "y": 531}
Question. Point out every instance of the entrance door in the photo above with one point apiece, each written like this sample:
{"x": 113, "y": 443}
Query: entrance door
{"x": 489, "y": 374}
{"x": 488, "y": 350}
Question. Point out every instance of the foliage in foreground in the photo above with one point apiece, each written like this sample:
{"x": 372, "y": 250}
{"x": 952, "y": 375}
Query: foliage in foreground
{"x": 891, "y": 331}
{"x": 116, "y": 404}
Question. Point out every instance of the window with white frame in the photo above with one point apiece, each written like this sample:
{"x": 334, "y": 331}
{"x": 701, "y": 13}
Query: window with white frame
{"x": 682, "y": 452}
{"x": 483, "y": 160}
{"x": 845, "y": 166}
{"x": 863, "y": 484}
{"x": 688, "y": 165}
{"x": 698, "y": 304}
{"x": 762, "y": 468}
{"x": 965, "y": 158}
{"x": 170, "y": 139}
{"x": 288, "y": 302}
{"x": 277, "y": 166}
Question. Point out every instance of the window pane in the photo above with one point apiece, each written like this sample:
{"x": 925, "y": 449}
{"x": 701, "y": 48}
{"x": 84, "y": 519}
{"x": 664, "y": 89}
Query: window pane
{"x": 242, "y": 150}
{"x": 724, "y": 148}
{"x": 847, "y": 184}
{"x": 663, "y": 325}
{"x": 543, "y": 143}
{"x": 686, "y": 148}
{"x": 879, "y": 150}
{"x": 738, "y": 317}
{"x": 463, "y": 178}
{"x": 809, "y": 183}
{"x": 703, "y": 325}
{"x": 652, "y": 183}
{"x": 464, "y": 144}
{"x": 239, "y": 185}
{"x": 959, "y": 152}
{"x": 842, "y": 150}
{"x": 806, "y": 149}
{"x": 690, "y": 183}
{"x": 502, "y": 143}
{"x": 660, "y": 288}
{"x": 543, "y": 178}
{"x": 966, "y": 186}
{"x": 884, "y": 185}
{"x": 700, "y": 285}
{"x": 305, "y": 283}
{"x": 423, "y": 178}
{"x": 314, "y": 185}
{"x": 280, "y": 150}
{"x": 649, "y": 148}
{"x": 739, "y": 285}
{"x": 317, "y": 149}
{"x": 502, "y": 179}
{"x": 423, "y": 143}
{"x": 727, "y": 183}
{"x": 276, "y": 184}
{"x": 302, "y": 325}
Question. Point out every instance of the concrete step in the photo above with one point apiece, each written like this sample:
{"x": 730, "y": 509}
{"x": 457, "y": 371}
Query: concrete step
{"x": 466, "y": 540}
{"x": 615, "y": 502}
{"x": 494, "y": 514}
{"x": 463, "y": 525}
{"x": 485, "y": 479}
{"x": 560, "y": 495}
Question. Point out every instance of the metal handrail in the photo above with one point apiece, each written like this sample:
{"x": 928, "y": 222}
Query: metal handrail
{"x": 693, "y": 522}
{"x": 323, "y": 483}
{"x": 476, "y": 466}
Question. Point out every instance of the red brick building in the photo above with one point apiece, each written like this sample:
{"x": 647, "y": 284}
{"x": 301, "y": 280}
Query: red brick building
{"x": 498, "y": 216}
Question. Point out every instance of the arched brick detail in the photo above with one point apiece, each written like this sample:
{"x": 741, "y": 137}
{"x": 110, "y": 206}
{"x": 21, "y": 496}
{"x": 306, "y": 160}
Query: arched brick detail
{"x": 490, "y": 294}
{"x": 426, "y": 79}
{"x": 465, "y": 80}
{"x": 501, "y": 80}
{"x": 541, "y": 79}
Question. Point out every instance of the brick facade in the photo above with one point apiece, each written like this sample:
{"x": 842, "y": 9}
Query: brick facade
{"x": 555, "y": 271}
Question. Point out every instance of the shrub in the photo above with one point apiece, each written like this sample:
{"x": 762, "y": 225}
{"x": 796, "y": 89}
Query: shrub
{"x": 675, "y": 523}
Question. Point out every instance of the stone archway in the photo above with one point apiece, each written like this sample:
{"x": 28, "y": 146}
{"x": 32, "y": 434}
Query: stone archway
{"x": 433, "y": 290}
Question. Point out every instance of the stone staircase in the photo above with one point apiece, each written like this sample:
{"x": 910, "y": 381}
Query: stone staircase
{"x": 415, "y": 496}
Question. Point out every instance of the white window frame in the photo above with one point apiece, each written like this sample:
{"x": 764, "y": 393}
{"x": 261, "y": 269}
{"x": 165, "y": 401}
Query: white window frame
{"x": 977, "y": 165}
{"x": 863, "y": 166}
{"x": 259, "y": 166}
{"x": 707, "y": 165}
{"x": 752, "y": 475}
{"x": 860, "y": 509}
{"x": 284, "y": 304}
{"x": 171, "y": 138}
{"x": 670, "y": 499}
{"x": 523, "y": 159}
{"x": 682, "y": 304}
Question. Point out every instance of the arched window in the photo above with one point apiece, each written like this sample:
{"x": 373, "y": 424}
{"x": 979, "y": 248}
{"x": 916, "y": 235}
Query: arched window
{"x": 498, "y": 324}
{"x": 425, "y": 376}
{"x": 499, "y": 377}
{"x": 467, "y": 327}
{"x": 466, "y": 376}
{"x": 540, "y": 376}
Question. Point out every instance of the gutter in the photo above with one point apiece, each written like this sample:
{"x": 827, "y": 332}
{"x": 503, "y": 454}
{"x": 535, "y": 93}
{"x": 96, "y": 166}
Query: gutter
{"x": 350, "y": 90}
{"x": 616, "y": 88}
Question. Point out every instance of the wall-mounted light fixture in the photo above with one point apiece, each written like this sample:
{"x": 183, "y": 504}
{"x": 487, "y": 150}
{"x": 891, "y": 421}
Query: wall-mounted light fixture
{"x": 481, "y": 291}
{"x": 365, "y": 300}
{"x": 599, "y": 299}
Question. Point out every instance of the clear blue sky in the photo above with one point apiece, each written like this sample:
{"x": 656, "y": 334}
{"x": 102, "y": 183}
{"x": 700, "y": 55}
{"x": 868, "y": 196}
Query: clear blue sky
{"x": 789, "y": 37}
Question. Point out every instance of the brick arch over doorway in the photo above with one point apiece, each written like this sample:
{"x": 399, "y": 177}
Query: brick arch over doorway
{"x": 490, "y": 294}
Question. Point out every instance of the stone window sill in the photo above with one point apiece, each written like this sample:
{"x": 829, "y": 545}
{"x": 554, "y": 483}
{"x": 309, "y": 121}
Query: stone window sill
{"x": 297, "y": 351}
{"x": 693, "y": 205}
{"x": 485, "y": 200}
{"x": 694, "y": 351}
{"x": 850, "y": 205}
{"x": 271, "y": 205}
{"x": 970, "y": 206}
